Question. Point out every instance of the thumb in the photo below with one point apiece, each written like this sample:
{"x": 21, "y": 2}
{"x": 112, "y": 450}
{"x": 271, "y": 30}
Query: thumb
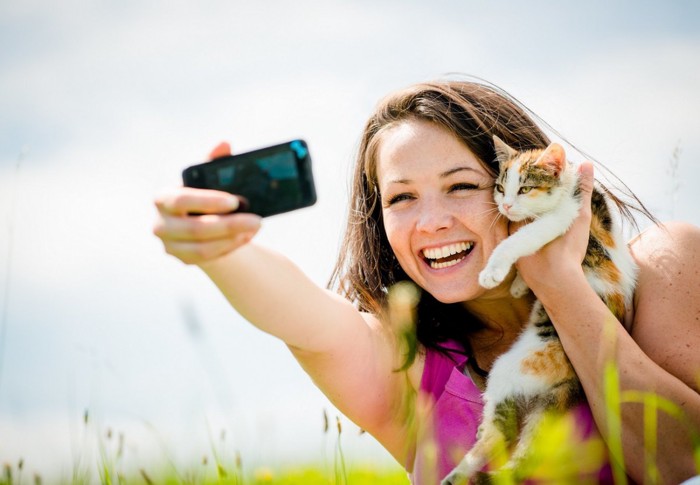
{"x": 586, "y": 179}
{"x": 222, "y": 149}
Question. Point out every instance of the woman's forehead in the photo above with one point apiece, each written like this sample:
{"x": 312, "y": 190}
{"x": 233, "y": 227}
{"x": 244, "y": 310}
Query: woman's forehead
{"x": 416, "y": 146}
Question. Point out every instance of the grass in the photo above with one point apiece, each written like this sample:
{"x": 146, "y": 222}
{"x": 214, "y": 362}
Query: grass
{"x": 310, "y": 474}
{"x": 100, "y": 457}
{"x": 558, "y": 453}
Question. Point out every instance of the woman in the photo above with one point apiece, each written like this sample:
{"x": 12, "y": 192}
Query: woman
{"x": 420, "y": 195}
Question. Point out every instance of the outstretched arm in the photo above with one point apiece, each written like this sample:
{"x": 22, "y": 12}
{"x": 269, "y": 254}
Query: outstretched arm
{"x": 660, "y": 355}
{"x": 350, "y": 355}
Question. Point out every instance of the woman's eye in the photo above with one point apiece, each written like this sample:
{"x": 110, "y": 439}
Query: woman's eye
{"x": 464, "y": 186}
{"x": 524, "y": 190}
{"x": 398, "y": 198}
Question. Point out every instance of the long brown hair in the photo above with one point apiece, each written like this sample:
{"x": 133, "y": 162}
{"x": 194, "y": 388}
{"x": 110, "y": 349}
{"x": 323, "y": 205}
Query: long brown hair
{"x": 473, "y": 112}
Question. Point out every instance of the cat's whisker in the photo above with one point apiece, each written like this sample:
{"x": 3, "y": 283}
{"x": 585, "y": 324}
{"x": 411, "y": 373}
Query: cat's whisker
{"x": 495, "y": 219}
{"x": 497, "y": 216}
{"x": 487, "y": 211}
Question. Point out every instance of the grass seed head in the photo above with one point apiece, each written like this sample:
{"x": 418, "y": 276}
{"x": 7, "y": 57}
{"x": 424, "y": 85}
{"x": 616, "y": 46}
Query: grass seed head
{"x": 145, "y": 476}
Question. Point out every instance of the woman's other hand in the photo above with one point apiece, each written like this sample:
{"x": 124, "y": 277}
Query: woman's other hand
{"x": 562, "y": 257}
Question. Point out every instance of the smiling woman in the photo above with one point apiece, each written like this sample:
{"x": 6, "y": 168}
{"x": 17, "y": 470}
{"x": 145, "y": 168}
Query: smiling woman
{"x": 422, "y": 211}
{"x": 436, "y": 197}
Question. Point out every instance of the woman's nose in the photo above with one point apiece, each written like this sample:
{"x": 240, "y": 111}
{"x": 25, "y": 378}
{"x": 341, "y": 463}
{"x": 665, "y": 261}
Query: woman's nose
{"x": 433, "y": 217}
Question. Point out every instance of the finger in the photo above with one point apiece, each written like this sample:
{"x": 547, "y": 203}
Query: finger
{"x": 222, "y": 149}
{"x": 197, "y": 253}
{"x": 206, "y": 228}
{"x": 187, "y": 200}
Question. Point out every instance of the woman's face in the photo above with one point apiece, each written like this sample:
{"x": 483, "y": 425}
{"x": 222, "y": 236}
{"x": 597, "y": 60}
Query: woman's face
{"x": 438, "y": 209}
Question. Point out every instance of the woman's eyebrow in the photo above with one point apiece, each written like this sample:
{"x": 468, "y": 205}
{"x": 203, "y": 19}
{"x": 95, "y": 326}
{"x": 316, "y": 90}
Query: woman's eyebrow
{"x": 399, "y": 181}
{"x": 445, "y": 174}
{"x": 452, "y": 171}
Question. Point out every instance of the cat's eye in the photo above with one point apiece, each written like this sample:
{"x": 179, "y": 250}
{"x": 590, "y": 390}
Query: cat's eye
{"x": 524, "y": 190}
{"x": 499, "y": 189}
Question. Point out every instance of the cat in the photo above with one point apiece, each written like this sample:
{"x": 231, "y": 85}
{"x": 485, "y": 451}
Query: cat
{"x": 535, "y": 376}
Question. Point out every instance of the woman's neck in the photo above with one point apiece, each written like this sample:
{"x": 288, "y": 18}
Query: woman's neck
{"x": 502, "y": 320}
{"x": 502, "y": 314}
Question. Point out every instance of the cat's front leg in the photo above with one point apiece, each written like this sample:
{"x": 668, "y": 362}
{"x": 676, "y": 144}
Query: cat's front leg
{"x": 497, "y": 268}
{"x": 519, "y": 288}
{"x": 487, "y": 444}
{"x": 461, "y": 474}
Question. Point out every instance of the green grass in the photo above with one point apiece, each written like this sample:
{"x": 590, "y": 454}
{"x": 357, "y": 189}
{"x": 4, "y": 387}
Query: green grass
{"x": 214, "y": 473}
{"x": 100, "y": 457}
{"x": 303, "y": 475}
{"x": 557, "y": 454}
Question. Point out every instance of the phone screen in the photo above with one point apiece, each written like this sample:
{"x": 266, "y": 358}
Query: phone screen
{"x": 273, "y": 180}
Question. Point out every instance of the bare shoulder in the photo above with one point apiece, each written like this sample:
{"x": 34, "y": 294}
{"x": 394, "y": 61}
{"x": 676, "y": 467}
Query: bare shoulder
{"x": 666, "y": 322}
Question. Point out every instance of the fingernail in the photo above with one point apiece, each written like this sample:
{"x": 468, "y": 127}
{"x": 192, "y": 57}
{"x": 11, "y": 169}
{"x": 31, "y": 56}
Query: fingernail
{"x": 586, "y": 168}
{"x": 232, "y": 203}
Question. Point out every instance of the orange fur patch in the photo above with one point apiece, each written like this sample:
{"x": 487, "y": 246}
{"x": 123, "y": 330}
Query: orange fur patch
{"x": 616, "y": 304}
{"x": 550, "y": 363}
{"x": 609, "y": 271}
{"x": 599, "y": 232}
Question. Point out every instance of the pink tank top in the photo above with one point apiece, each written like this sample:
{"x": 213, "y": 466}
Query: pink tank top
{"x": 453, "y": 407}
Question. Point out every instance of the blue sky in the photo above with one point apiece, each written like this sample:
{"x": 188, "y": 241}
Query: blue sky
{"x": 104, "y": 103}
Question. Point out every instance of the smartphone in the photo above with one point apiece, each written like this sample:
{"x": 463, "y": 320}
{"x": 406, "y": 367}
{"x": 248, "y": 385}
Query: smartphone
{"x": 268, "y": 181}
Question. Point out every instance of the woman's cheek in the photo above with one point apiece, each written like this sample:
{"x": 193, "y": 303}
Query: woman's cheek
{"x": 399, "y": 239}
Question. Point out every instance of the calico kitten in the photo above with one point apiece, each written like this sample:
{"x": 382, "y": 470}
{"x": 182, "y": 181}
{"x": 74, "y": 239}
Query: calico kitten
{"x": 534, "y": 376}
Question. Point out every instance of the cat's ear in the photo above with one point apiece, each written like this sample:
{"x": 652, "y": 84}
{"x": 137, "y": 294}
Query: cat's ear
{"x": 503, "y": 151}
{"x": 553, "y": 159}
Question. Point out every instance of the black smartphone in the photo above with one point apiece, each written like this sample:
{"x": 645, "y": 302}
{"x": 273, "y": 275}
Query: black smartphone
{"x": 268, "y": 181}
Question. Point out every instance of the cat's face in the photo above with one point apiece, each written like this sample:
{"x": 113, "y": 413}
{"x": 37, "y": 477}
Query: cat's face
{"x": 529, "y": 182}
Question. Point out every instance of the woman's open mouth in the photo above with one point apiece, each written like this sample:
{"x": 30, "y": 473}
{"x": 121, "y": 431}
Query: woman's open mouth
{"x": 448, "y": 255}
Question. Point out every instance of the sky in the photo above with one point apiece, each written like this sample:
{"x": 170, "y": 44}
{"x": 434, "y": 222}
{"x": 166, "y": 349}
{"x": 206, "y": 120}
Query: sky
{"x": 103, "y": 103}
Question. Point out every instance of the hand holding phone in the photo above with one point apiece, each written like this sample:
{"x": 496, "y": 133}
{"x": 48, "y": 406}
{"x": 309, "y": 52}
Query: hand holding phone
{"x": 267, "y": 181}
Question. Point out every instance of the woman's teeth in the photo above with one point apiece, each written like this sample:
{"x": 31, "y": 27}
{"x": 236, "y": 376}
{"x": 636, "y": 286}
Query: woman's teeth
{"x": 448, "y": 255}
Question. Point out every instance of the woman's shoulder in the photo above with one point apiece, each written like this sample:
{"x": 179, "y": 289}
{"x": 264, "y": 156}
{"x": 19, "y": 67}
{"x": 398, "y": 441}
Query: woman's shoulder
{"x": 661, "y": 236}
{"x": 667, "y": 254}
{"x": 666, "y": 323}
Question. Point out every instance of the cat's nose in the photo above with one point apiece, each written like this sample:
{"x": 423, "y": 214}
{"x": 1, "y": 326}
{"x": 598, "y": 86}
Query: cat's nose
{"x": 506, "y": 207}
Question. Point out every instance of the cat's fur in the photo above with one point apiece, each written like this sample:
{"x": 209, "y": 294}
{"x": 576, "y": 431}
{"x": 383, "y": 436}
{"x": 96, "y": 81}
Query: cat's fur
{"x": 535, "y": 376}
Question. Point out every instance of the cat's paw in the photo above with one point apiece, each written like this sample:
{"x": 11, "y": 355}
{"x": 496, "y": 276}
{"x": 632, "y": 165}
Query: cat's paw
{"x": 519, "y": 288}
{"x": 455, "y": 478}
{"x": 465, "y": 470}
{"x": 493, "y": 275}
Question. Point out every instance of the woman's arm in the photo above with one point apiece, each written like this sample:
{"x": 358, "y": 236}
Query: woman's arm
{"x": 660, "y": 355}
{"x": 351, "y": 356}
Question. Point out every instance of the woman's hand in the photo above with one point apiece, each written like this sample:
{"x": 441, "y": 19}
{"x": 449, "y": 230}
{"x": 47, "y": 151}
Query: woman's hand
{"x": 562, "y": 257}
{"x": 202, "y": 238}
